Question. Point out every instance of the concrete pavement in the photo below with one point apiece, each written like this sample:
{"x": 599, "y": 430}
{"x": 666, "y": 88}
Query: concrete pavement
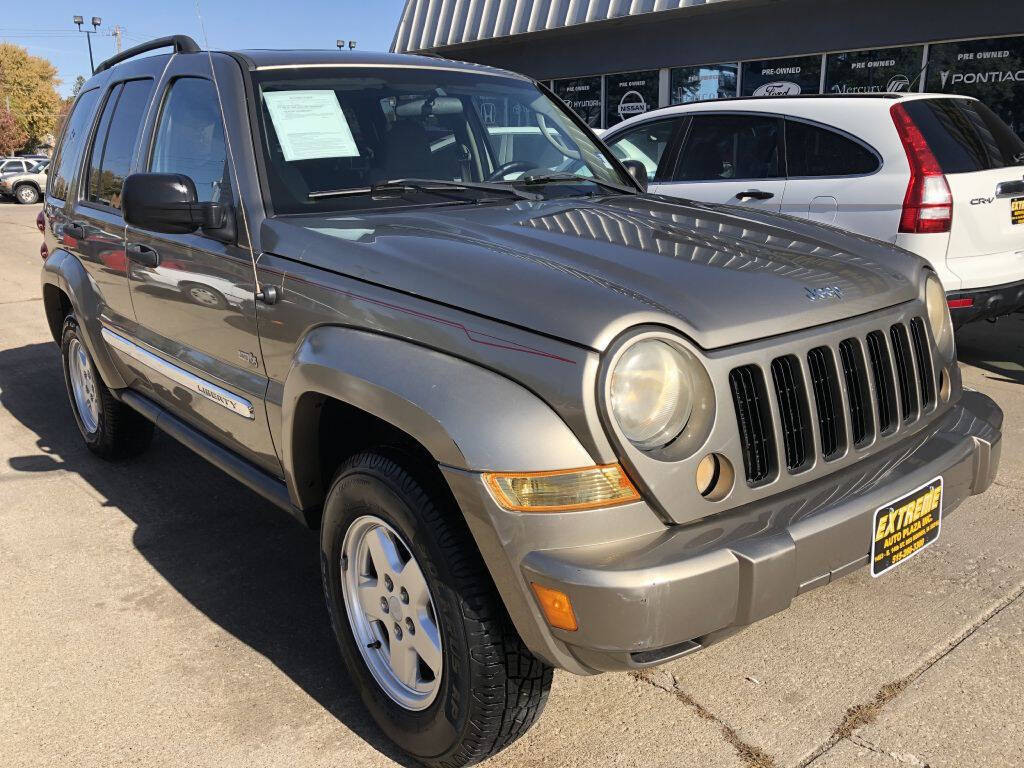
{"x": 157, "y": 613}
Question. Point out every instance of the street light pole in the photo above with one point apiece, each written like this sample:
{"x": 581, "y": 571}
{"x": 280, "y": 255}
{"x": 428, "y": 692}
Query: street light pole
{"x": 96, "y": 21}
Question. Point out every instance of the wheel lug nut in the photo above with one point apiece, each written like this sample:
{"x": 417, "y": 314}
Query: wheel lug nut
{"x": 410, "y": 627}
{"x": 404, "y": 596}
{"x": 398, "y": 631}
{"x": 384, "y": 605}
{"x": 388, "y": 584}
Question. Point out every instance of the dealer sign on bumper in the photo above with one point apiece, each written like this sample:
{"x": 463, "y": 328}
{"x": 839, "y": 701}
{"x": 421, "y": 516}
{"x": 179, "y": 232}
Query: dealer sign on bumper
{"x": 904, "y": 527}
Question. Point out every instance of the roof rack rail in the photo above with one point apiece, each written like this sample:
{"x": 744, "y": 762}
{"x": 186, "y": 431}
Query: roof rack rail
{"x": 180, "y": 43}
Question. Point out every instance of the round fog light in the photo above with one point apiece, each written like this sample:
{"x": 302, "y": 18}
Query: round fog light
{"x": 715, "y": 477}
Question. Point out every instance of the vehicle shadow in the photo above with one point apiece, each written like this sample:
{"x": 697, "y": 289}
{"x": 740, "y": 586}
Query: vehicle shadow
{"x": 249, "y": 567}
{"x": 997, "y": 348}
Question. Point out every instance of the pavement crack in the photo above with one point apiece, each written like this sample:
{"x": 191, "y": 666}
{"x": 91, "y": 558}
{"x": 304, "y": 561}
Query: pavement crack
{"x": 755, "y": 757}
{"x": 21, "y": 301}
{"x": 901, "y": 758}
{"x": 861, "y": 715}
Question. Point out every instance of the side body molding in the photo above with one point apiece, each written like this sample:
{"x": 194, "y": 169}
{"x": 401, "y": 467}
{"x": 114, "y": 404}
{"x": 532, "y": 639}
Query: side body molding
{"x": 64, "y": 271}
{"x": 466, "y": 416}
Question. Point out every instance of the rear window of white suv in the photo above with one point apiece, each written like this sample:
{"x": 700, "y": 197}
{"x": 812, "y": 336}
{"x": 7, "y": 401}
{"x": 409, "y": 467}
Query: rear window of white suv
{"x": 965, "y": 135}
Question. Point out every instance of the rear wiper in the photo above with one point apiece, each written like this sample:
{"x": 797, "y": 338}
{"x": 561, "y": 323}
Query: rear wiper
{"x": 433, "y": 186}
{"x": 555, "y": 178}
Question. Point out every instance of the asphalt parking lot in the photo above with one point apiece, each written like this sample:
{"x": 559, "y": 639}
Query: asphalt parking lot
{"x": 157, "y": 613}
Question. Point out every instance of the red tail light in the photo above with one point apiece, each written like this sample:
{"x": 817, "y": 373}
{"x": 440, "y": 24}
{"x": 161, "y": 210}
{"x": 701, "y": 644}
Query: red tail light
{"x": 44, "y": 252}
{"x": 961, "y": 303}
{"x": 928, "y": 203}
{"x": 41, "y": 222}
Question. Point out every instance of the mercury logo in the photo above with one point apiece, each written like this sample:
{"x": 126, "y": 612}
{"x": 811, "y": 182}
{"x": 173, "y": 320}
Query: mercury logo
{"x": 898, "y": 84}
{"x": 631, "y": 103}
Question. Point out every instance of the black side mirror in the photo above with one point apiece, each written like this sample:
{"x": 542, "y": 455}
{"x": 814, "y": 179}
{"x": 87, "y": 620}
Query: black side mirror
{"x": 166, "y": 202}
{"x": 638, "y": 171}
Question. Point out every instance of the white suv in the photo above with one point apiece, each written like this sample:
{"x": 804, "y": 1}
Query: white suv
{"x": 941, "y": 176}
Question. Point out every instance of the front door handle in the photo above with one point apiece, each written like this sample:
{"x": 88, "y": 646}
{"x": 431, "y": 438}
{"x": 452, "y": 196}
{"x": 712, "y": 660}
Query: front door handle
{"x": 754, "y": 194}
{"x": 76, "y": 230}
{"x": 142, "y": 254}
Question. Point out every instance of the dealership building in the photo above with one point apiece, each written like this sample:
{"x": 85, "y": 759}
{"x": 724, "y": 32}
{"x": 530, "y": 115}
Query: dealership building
{"x": 611, "y": 59}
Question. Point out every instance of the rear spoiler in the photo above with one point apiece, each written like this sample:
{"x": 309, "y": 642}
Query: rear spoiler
{"x": 180, "y": 43}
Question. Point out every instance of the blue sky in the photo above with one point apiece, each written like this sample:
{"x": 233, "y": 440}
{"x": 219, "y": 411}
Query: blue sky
{"x": 47, "y": 31}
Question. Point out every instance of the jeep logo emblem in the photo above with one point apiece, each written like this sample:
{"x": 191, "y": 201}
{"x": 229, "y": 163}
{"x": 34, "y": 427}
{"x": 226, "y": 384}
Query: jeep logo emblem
{"x": 823, "y": 293}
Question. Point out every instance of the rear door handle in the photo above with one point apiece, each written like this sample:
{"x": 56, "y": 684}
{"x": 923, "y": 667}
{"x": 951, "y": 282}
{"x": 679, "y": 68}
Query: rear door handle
{"x": 142, "y": 254}
{"x": 75, "y": 230}
{"x": 1010, "y": 188}
{"x": 754, "y": 194}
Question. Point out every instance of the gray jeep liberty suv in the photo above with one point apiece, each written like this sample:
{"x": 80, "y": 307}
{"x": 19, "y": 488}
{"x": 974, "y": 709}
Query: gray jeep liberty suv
{"x": 540, "y": 418}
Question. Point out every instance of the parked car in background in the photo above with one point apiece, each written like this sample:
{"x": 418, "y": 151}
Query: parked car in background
{"x": 25, "y": 186}
{"x": 942, "y": 176}
{"x": 540, "y": 418}
{"x": 16, "y": 164}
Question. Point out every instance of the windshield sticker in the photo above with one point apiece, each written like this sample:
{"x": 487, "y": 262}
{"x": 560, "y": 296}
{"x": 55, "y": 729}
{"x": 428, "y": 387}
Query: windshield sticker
{"x": 310, "y": 125}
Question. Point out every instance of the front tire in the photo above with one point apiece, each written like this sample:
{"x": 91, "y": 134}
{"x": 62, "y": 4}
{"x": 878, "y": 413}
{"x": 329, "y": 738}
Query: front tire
{"x": 26, "y": 194}
{"x": 110, "y": 428}
{"x": 434, "y": 655}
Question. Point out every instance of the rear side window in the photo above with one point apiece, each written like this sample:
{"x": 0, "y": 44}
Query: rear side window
{"x": 70, "y": 150}
{"x": 815, "y": 151}
{"x": 727, "y": 147}
{"x": 190, "y": 139}
{"x": 645, "y": 143}
{"x": 115, "y": 142}
{"x": 965, "y": 135}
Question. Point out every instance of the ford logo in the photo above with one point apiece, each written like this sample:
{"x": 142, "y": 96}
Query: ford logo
{"x": 778, "y": 88}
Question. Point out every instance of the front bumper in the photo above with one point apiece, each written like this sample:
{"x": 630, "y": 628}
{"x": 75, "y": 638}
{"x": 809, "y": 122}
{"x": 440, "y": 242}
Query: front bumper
{"x": 646, "y": 594}
{"x": 987, "y": 303}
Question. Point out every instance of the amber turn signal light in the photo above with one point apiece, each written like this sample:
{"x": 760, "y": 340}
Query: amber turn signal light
{"x": 556, "y": 607}
{"x": 563, "y": 490}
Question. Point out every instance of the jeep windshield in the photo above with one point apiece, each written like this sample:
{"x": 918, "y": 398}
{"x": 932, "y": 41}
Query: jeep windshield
{"x": 343, "y": 138}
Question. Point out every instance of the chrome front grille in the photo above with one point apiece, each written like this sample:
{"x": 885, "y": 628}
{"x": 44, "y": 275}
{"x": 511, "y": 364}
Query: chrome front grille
{"x": 832, "y": 399}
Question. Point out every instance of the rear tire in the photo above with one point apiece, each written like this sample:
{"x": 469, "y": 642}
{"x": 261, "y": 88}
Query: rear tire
{"x": 490, "y": 689}
{"x": 110, "y": 428}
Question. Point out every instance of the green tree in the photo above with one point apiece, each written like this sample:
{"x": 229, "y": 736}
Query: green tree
{"x": 28, "y": 88}
{"x": 12, "y": 137}
{"x": 77, "y": 87}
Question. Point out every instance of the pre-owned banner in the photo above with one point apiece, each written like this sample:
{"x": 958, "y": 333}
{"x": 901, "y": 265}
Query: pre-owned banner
{"x": 628, "y": 94}
{"x": 892, "y": 70}
{"x": 583, "y": 95}
{"x": 991, "y": 70}
{"x": 782, "y": 77}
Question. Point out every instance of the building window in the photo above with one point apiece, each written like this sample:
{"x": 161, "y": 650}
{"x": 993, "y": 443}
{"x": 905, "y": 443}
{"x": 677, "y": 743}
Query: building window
{"x": 896, "y": 70}
{"x": 583, "y": 96}
{"x": 782, "y": 77}
{"x": 717, "y": 81}
{"x": 991, "y": 70}
{"x": 629, "y": 94}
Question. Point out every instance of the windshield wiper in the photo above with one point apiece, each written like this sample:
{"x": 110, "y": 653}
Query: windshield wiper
{"x": 432, "y": 186}
{"x": 555, "y": 178}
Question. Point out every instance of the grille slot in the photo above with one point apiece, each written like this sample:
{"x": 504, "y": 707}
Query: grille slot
{"x": 796, "y": 424}
{"x": 856, "y": 377}
{"x": 907, "y": 387}
{"x": 754, "y": 419}
{"x": 925, "y": 375}
{"x": 881, "y": 372}
{"x": 822, "y": 366}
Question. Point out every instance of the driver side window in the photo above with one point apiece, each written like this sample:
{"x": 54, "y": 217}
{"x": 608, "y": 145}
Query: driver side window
{"x": 646, "y": 143}
{"x": 190, "y": 139}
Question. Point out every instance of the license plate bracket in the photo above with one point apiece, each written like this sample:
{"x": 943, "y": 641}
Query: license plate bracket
{"x": 905, "y": 526}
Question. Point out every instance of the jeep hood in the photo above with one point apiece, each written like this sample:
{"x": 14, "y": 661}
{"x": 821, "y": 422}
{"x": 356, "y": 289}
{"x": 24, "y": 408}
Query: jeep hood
{"x": 584, "y": 269}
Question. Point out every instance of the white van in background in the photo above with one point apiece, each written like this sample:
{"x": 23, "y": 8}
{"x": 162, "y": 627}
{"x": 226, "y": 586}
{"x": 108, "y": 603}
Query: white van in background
{"x": 942, "y": 176}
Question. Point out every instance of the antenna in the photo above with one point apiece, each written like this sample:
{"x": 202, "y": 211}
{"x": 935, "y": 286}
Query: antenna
{"x": 268, "y": 296}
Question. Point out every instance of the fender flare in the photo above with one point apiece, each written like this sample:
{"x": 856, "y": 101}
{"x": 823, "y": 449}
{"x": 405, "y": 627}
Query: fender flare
{"x": 466, "y": 416}
{"x": 63, "y": 270}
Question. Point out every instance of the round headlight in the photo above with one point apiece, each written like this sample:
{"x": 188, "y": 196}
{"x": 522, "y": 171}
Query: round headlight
{"x": 938, "y": 314}
{"x": 651, "y": 393}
